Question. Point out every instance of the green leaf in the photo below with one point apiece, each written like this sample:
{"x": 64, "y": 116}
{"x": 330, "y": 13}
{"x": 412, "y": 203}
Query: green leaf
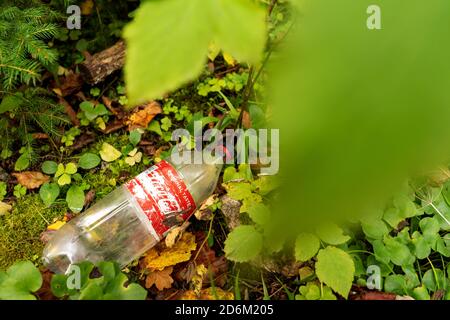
{"x": 64, "y": 179}
{"x": 116, "y": 290}
{"x": 239, "y": 190}
{"x": 306, "y": 246}
{"x": 59, "y": 170}
{"x": 155, "y": 127}
{"x": 109, "y": 153}
{"x": 20, "y": 280}
{"x": 399, "y": 253}
{"x": 135, "y": 137}
{"x": 434, "y": 279}
{"x": 240, "y": 29}
{"x": 332, "y": 234}
{"x": 176, "y": 35}
{"x": 429, "y": 226}
{"x": 71, "y": 168}
{"x": 381, "y": 252}
{"x": 259, "y": 213}
{"x": 374, "y": 228}
{"x": 421, "y": 293}
{"x": 396, "y": 284}
{"x": 335, "y": 268}
{"x": 49, "y": 167}
{"x": 22, "y": 162}
{"x": 89, "y": 161}
{"x": 403, "y": 208}
{"x": 58, "y": 285}
{"x": 422, "y": 248}
{"x": 244, "y": 243}
{"x": 75, "y": 198}
{"x": 49, "y": 192}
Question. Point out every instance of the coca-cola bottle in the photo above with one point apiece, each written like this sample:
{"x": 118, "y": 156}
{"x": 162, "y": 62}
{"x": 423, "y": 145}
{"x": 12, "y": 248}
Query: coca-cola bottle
{"x": 134, "y": 217}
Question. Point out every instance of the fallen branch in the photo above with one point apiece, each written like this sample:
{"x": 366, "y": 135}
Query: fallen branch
{"x": 97, "y": 67}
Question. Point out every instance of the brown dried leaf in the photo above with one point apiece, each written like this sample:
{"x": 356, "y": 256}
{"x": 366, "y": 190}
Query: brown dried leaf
{"x": 246, "y": 120}
{"x": 161, "y": 279}
{"x": 31, "y": 179}
{"x": 39, "y": 135}
{"x": 141, "y": 118}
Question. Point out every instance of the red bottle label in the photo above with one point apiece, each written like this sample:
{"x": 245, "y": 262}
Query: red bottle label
{"x": 163, "y": 197}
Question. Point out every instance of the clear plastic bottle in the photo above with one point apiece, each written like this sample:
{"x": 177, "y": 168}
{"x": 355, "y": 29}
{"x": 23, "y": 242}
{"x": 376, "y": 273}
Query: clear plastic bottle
{"x": 134, "y": 217}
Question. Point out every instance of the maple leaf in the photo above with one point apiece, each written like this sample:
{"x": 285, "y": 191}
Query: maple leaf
{"x": 31, "y": 179}
{"x": 158, "y": 259}
{"x": 142, "y": 117}
{"x": 161, "y": 279}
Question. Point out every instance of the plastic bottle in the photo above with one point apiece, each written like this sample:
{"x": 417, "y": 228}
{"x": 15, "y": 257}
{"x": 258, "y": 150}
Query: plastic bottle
{"x": 134, "y": 217}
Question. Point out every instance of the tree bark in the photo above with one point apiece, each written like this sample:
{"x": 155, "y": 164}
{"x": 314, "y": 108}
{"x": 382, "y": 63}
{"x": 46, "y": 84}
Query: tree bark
{"x": 97, "y": 67}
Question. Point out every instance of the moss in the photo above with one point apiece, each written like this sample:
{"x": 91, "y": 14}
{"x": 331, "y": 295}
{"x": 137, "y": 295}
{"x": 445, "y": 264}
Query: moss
{"x": 20, "y": 229}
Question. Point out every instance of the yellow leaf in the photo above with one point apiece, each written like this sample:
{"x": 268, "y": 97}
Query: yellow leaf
{"x": 108, "y": 153}
{"x": 207, "y": 294}
{"x": 87, "y": 7}
{"x": 197, "y": 279}
{"x": 228, "y": 59}
{"x": 213, "y": 51}
{"x": 4, "y": 208}
{"x": 133, "y": 157}
{"x": 56, "y": 226}
{"x": 101, "y": 123}
{"x": 161, "y": 279}
{"x": 180, "y": 252}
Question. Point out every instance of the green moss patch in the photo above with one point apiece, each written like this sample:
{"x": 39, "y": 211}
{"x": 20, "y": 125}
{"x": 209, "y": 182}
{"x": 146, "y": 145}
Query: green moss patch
{"x": 20, "y": 229}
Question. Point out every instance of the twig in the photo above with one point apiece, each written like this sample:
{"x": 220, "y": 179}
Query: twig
{"x": 70, "y": 112}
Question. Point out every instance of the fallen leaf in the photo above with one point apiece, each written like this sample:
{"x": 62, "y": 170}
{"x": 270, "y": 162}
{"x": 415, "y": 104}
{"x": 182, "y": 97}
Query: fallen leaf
{"x": 161, "y": 279}
{"x": 141, "y": 118}
{"x": 228, "y": 59}
{"x": 175, "y": 234}
{"x": 108, "y": 153}
{"x": 39, "y": 136}
{"x": 31, "y": 179}
{"x": 204, "y": 213}
{"x": 197, "y": 279}
{"x": 207, "y": 294}
{"x": 56, "y": 226}
{"x": 166, "y": 257}
{"x": 4, "y": 208}
{"x": 87, "y": 7}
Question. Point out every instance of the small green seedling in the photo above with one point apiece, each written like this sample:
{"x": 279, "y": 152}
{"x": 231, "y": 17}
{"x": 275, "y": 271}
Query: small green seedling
{"x": 19, "y": 191}
{"x": 64, "y": 173}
